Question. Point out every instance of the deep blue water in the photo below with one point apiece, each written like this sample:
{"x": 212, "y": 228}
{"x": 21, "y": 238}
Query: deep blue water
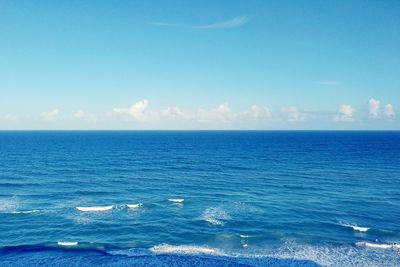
{"x": 250, "y": 198}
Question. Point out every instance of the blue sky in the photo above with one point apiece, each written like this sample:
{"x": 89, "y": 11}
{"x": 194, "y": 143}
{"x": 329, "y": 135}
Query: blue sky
{"x": 199, "y": 64}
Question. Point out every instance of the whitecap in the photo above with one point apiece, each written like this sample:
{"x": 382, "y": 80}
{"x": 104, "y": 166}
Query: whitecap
{"x": 244, "y": 236}
{"x": 186, "y": 249}
{"x": 376, "y": 245}
{"x": 95, "y": 208}
{"x": 361, "y": 229}
{"x": 176, "y": 200}
{"x": 215, "y": 216}
{"x": 24, "y": 211}
{"x": 355, "y": 227}
{"x": 134, "y": 206}
{"x": 68, "y": 244}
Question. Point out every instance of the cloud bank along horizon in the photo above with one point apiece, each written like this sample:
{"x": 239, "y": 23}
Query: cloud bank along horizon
{"x": 140, "y": 114}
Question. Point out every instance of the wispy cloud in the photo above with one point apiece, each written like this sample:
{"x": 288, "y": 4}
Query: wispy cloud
{"x": 231, "y": 23}
{"x": 165, "y": 24}
{"x": 226, "y": 24}
{"x": 329, "y": 83}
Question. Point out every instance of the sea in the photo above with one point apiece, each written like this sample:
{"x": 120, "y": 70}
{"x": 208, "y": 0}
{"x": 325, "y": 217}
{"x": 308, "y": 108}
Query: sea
{"x": 199, "y": 198}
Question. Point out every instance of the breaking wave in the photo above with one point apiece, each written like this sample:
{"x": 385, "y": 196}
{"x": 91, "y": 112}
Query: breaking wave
{"x": 185, "y": 249}
{"x": 95, "y": 208}
{"x": 215, "y": 216}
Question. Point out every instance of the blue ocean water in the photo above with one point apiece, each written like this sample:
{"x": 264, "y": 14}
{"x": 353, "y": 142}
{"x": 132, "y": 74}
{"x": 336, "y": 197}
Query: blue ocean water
{"x": 250, "y": 198}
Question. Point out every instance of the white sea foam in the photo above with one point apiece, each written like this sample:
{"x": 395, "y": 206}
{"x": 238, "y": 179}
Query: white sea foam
{"x": 24, "y": 211}
{"x": 184, "y": 249}
{"x": 68, "y": 244}
{"x": 322, "y": 255}
{"x": 8, "y": 205}
{"x": 361, "y": 229}
{"x": 333, "y": 256}
{"x": 11, "y": 206}
{"x": 377, "y": 245}
{"x": 95, "y": 208}
{"x": 215, "y": 216}
{"x": 134, "y": 206}
{"x": 244, "y": 236}
{"x": 355, "y": 227}
{"x": 176, "y": 200}
{"x": 357, "y": 256}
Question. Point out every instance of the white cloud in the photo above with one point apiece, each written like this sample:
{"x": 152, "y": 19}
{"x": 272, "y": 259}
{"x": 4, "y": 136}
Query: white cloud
{"x": 232, "y": 23}
{"x": 373, "y": 105}
{"x": 173, "y": 112}
{"x": 257, "y": 112}
{"x": 11, "y": 118}
{"x": 80, "y": 114}
{"x": 51, "y": 115}
{"x": 345, "y": 113}
{"x": 136, "y": 111}
{"x": 389, "y": 111}
{"x": 222, "y": 113}
{"x": 329, "y": 83}
{"x": 292, "y": 114}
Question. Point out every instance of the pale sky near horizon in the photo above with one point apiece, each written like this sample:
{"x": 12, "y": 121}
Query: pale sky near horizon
{"x": 200, "y": 64}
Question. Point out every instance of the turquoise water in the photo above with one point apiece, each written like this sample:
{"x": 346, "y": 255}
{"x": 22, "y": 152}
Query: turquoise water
{"x": 249, "y": 198}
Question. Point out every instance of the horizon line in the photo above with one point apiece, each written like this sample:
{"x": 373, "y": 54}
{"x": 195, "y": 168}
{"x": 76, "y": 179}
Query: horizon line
{"x": 199, "y": 130}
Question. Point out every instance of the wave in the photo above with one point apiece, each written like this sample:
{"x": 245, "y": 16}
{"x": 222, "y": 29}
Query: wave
{"x": 377, "y": 245}
{"x": 24, "y": 211}
{"x": 95, "y": 208}
{"x": 68, "y": 244}
{"x": 134, "y": 206}
{"x": 215, "y": 216}
{"x": 176, "y": 200}
{"x": 20, "y": 212}
{"x": 355, "y": 227}
{"x": 361, "y": 229}
{"x": 185, "y": 249}
{"x": 289, "y": 254}
{"x": 162, "y": 255}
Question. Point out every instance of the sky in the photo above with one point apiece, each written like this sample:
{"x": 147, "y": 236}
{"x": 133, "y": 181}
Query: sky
{"x": 262, "y": 65}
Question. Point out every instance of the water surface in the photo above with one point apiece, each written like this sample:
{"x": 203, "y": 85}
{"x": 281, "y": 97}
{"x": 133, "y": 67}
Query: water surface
{"x": 275, "y": 195}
